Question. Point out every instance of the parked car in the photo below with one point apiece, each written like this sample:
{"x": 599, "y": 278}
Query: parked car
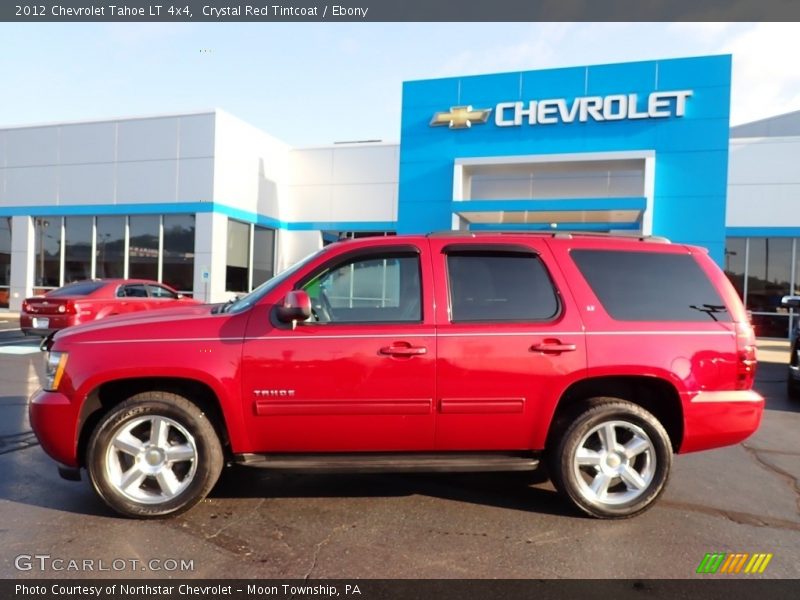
{"x": 85, "y": 301}
{"x": 793, "y": 376}
{"x": 598, "y": 357}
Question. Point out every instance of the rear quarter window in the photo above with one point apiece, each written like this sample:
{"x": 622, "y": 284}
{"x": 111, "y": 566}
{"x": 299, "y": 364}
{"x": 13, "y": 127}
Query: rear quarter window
{"x": 650, "y": 286}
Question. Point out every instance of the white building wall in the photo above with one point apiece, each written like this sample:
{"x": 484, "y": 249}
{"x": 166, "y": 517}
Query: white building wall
{"x": 250, "y": 172}
{"x": 22, "y": 257}
{"x": 763, "y": 182}
{"x": 142, "y": 160}
{"x": 210, "y": 244}
{"x": 344, "y": 183}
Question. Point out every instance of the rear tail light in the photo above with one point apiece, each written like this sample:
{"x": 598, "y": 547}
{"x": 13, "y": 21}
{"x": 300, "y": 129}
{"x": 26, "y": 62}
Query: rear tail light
{"x": 745, "y": 356}
{"x": 68, "y": 308}
{"x": 25, "y": 306}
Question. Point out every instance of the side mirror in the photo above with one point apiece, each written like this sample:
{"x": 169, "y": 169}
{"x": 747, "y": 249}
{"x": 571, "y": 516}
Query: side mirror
{"x": 296, "y": 307}
{"x": 180, "y": 296}
{"x": 791, "y": 301}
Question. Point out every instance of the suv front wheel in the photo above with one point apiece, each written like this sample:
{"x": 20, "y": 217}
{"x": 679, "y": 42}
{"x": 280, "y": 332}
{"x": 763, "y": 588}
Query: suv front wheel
{"x": 154, "y": 455}
{"x": 613, "y": 460}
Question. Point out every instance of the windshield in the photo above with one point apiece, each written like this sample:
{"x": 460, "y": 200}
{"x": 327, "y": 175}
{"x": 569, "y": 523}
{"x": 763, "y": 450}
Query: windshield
{"x": 245, "y": 302}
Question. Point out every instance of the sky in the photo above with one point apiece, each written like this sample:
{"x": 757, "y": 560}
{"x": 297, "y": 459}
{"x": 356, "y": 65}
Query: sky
{"x": 317, "y": 83}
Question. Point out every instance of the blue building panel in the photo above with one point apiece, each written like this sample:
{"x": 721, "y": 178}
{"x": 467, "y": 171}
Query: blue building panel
{"x": 690, "y": 149}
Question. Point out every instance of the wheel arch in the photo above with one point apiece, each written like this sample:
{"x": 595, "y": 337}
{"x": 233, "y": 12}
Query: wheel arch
{"x": 656, "y": 395}
{"x": 109, "y": 394}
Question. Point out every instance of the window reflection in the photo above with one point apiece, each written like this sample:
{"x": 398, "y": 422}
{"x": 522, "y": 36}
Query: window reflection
{"x": 78, "y": 249}
{"x": 143, "y": 247}
{"x": 5, "y": 260}
{"x": 48, "y": 251}
{"x": 110, "y": 247}
{"x": 178, "y": 257}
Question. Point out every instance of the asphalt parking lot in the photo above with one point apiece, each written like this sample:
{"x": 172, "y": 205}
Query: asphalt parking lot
{"x": 745, "y": 498}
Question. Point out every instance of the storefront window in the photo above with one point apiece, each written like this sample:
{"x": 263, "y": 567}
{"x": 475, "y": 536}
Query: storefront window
{"x": 48, "y": 251}
{"x": 735, "y": 253}
{"x": 5, "y": 260}
{"x": 110, "y": 247}
{"x": 263, "y": 255}
{"x": 237, "y": 263}
{"x": 78, "y": 249}
{"x": 769, "y": 273}
{"x": 178, "y": 256}
{"x": 143, "y": 249}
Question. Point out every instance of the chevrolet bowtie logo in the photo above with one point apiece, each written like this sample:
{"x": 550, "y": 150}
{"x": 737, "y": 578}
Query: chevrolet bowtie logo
{"x": 461, "y": 117}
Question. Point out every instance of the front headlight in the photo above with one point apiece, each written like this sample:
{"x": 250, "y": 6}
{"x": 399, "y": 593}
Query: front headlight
{"x": 54, "y": 364}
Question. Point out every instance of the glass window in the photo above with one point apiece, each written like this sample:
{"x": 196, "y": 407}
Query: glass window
{"x": 5, "y": 260}
{"x": 650, "y": 286}
{"x": 143, "y": 250}
{"x": 768, "y": 273}
{"x": 157, "y": 291}
{"x": 263, "y": 255}
{"x": 78, "y": 249}
{"x": 48, "y": 251}
{"x": 178, "y": 270}
{"x": 372, "y": 289}
{"x": 82, "y": 288}
{"x": 499, "y": 286}
{"x": 237, "y": 263}
{"x": 110, "y": 247}
{"x": 135, "y": 290}
{"x": 735, "y": 253}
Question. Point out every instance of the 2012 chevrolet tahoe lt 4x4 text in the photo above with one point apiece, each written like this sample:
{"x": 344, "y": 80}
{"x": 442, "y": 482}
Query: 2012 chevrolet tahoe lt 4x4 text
{"x": 596, "y": 357}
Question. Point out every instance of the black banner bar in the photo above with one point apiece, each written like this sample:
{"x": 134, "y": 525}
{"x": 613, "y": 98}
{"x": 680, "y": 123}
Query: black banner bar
{"x": 719, "y": 588}
{"x": 397, "y": 10}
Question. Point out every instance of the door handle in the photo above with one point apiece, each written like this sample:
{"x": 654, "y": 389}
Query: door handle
{"x": 403, "y": 349}
{"x": 553, "y": 347}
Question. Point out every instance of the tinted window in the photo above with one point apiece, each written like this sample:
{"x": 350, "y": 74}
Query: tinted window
{"x": 178, "y": 256}
{"x": 143, "y": 248}
{"x": 370, "y": 289}
{"x": 156, "y": 291}
{"x": 133, "y": 291}
{"x": 83, "y": 288}
{"x": 649, "y": 286}
{"x": 499, "y": 286}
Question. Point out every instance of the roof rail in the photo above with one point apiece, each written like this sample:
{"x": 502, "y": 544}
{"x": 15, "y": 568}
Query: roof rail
{"x": 656, "y": 239}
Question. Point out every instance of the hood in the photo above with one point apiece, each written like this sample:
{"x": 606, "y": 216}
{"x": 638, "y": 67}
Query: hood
{"x": 135, "y": 324}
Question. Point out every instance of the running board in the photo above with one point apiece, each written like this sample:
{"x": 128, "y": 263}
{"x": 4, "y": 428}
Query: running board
{"x": 393, "y": 462}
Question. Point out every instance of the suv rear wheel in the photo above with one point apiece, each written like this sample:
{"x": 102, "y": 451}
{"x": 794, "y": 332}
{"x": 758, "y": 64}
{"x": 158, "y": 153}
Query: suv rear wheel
{"x": 613, "y": 460}
{"x": 154, "y": 455}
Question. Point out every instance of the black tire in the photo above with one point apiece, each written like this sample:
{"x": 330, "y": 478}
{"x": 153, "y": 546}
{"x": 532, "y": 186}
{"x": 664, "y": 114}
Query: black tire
{"x": 184, "y": 419}
{"x": 574, "y": 482}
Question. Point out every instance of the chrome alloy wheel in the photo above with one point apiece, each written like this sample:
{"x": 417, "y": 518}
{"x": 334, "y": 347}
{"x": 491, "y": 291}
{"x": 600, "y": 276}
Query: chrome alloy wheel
{"x": 151, "y": 459}
{"x": 614, "y": 464}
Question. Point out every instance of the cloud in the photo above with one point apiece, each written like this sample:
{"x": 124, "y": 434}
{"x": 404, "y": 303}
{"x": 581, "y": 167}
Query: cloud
{"x": 766, "y": 80}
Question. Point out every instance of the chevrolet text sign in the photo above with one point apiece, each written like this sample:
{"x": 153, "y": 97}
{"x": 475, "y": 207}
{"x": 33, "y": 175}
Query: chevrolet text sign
{"x": 614, "y": 107}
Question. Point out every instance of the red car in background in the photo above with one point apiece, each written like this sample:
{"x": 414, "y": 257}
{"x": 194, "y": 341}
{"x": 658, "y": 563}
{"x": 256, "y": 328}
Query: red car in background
{"x": 85, "y": 301}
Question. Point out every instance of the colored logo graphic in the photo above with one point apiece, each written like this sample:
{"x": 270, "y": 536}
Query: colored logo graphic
{"x": 461, "y": 117}
{"x": 732, "y": 563}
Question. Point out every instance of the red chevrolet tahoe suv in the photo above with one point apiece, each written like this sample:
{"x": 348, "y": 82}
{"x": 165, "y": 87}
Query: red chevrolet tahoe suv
{"x": 596, "y": 357}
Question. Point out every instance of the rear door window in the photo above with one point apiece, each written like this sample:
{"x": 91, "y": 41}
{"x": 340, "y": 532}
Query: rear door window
{"x": 650, "y": 286}
{"x": 133, "y": 291}
{"x": 492, "y": 286}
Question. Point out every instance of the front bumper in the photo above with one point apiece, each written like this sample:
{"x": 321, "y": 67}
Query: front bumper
{"x": 716, "y": 419}
{"x": 54, "y": 421}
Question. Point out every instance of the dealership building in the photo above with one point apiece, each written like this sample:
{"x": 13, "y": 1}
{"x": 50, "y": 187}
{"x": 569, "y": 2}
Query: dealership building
{"x": 214, "y": 207}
